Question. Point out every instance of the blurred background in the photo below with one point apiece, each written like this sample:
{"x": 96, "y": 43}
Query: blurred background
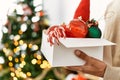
{"x": 21, "y": 25}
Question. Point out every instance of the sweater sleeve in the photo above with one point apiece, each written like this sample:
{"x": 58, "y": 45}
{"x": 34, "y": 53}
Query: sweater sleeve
{"x": 112, "y": 73}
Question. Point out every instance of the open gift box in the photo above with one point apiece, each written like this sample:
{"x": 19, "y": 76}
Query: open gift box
{"x": 63, "y": 54}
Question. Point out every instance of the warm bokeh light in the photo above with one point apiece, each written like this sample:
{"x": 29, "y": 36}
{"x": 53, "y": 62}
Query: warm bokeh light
{"x": 34, "y": 61}
{"x": 16, "y": 60}
{"x": 10, "y": 64}
{"x": 16, "y": 43}
{"x": 12, "y": 74}
{"x": 21, "y": 42}
{"x": 28, "y": 74}
{"x": 17, "y": 37}
{"x": 10, "y": 58}
{"x": 39, "y": 56}
{"x": 2, "y": 61}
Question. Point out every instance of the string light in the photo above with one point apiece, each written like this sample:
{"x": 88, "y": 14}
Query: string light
{"x": 15, "y": 78}
{"x": 35, "y": 19}
{"x": 21, "y": 59}
{"x": 35, "y": 47}
{"x": 39, "y": 57}
{"x": 2, "y": 61}
{"x": 38, "y": 61}
{"x": 38, "y": 8}
{"x": 19, "y": 10}
{"x": 19, "y": 69}
{"x": 10, "y": 64}
{"x": 1, "y": 67}
{"x": 34, "y": 61}
{"x": 11, "y": 37}
{"x": 17, "y": 49}
{"x": 17, "y": 37}
{"x": 21, "y": 42}
{"x": 23, "y": 55}
{"x": 16, "y": 60}
{"x": 17, "y": 73}
{"x": 28, "y": 74}
{"x": 23, "y": 27}
{"x": 23, "y": 75}
{"x": 23, "y": 47}
{"x": 10, "y": 58}
{"x": 21, "y": 65}
{"x": 30, "y": 45}
{"x": 45, "y": 64}
{"x": 5, "y": 30}
{"x": 12, "y": 74}
{"x": 16, "y": 43}
{"x": 20, "y": 32}
{"x": 7, "y": 51}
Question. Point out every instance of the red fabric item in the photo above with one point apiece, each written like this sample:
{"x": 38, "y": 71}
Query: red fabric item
{"x": 83, "y": 10}
{"x": 79, "y": 77}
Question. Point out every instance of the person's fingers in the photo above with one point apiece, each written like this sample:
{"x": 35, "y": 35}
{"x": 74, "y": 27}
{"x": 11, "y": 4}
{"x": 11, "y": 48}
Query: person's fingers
{"x": 85, "y": 69}
{"x": 81, "y": 55}
{"x": 74, "y": 68}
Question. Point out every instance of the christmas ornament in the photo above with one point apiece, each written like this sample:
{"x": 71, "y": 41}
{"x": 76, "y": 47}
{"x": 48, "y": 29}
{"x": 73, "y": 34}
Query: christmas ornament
{"x": 77, "y": 28}
{"x": 93, "y": 31}
{"x": 79, "y": 77}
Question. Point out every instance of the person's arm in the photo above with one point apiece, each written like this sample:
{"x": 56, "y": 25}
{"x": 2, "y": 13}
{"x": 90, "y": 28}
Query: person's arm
{"x": 112, "y": 73}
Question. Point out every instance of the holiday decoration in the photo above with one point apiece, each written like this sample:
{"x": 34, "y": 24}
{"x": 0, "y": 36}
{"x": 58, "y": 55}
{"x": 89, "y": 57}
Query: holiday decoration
{"x": 83, "y": 10}
{"x": 93, "y": 31}
{"x": 79, "y": 27}
{"x": 79, "y": 77}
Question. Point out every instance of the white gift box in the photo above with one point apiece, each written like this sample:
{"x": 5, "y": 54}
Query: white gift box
{"x": 63, "y": 54}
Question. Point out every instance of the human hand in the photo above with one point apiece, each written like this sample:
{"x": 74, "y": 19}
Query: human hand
{"x": 92, "y": 66}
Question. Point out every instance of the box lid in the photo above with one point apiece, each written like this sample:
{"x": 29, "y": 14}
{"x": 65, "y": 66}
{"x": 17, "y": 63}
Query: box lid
{"x": 84, "y": 42}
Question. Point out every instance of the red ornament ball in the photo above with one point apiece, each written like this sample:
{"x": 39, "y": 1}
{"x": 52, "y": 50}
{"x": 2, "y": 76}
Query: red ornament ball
{"x": 77, "y": 28}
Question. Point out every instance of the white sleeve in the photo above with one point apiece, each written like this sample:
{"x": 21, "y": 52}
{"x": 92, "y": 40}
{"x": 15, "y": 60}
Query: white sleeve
{"x": 112, "y": 73}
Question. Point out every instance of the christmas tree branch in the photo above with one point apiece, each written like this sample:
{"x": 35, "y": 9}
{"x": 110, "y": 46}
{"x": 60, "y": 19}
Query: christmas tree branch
{"x": 42, "y": 75}
{"x": 4, "y": 71}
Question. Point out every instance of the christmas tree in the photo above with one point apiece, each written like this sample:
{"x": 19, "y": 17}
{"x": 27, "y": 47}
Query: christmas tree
{"x": 21, "y": 56}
